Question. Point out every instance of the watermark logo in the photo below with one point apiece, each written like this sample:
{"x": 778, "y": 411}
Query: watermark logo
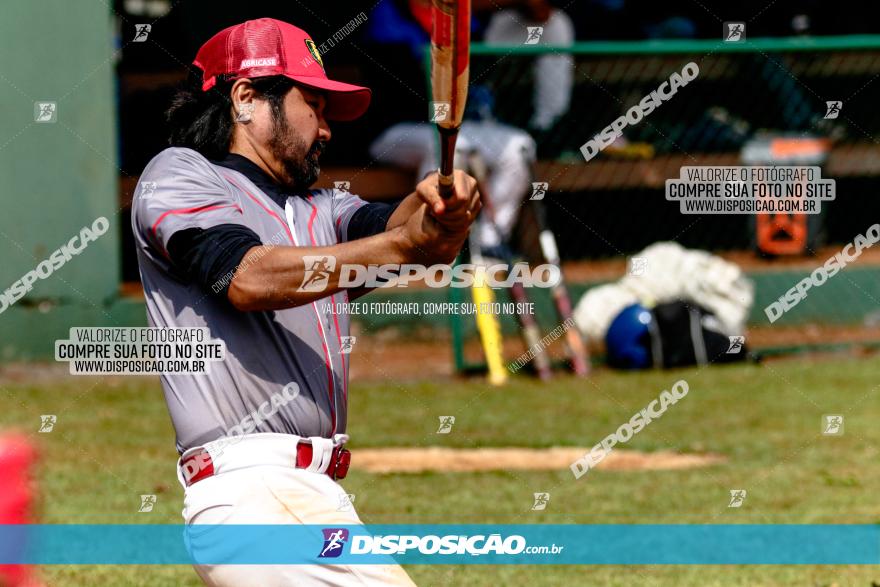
{"x": 346, "y": 344}
{"x": 248, "y": 261}
{"x": 342, "y": 186}
{"x": 533, "y": 351}
{"x": 832, "y": 109}
{"x": 55, "y": 261}
{"x": 665, "y": 91}
{"x": 497, "y": 275}
{"x": 541, "y": 501}
{"x": 318, "y": 269}
{"x": 334, "y": 541}
{"x": 638, "y": 266}
{"x": 141, "y": 32}
{"x": 832, "y": 266}
{"x": 832, "y": 425}
{"x": 346, "y": 502}
{"x": 439, "y": 111}
{"x": 265, "y": 411}
{"x": 539, "y": 190}
{"x": 624, "y": 433}
{"x": 534, "y": 35}
{"x": 45, "y": 112}
{"x": 143, "y": 350}
{"x": 734, "y": 32}
{"x": 737, "y": 498}
{"x": 148, "y": 188}
{"x": 446, "y": 424}
{"x": 736, "y": 344}
{"x": 47, "y": 423}
{"x": 474, "y": 545}
{"x": 147, "y": 503}
{"x": 249, "y": 424}
{"x": 752, "y": 189}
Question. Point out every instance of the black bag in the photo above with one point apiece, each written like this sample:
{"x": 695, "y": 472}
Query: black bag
{"x": 684, "y": 333}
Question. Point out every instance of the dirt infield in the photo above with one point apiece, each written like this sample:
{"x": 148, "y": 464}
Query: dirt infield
{"x": 417, "y": 460}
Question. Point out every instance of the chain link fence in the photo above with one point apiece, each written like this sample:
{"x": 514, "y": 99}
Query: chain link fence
{"x": 763, "y": 95}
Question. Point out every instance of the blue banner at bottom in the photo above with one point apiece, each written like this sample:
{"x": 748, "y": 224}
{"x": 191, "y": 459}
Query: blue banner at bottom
{"x": 514, "y": 544}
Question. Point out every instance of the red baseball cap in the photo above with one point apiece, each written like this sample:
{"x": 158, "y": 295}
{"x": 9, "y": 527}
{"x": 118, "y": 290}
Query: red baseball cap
{"x": 264, "y": 47}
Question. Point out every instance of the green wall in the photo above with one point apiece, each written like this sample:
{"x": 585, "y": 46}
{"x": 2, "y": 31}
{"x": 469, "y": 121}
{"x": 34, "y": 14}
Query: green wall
{"x": 56, "y": 178}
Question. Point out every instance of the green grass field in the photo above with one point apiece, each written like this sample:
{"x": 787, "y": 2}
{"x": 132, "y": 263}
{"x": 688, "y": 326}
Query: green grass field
{"x": 113, "y": 442}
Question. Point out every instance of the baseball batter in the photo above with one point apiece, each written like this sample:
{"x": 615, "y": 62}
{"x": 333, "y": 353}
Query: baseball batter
{"x": 231, "y": 238}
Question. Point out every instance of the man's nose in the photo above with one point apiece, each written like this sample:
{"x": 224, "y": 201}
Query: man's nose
{"x": 324, "y": 133}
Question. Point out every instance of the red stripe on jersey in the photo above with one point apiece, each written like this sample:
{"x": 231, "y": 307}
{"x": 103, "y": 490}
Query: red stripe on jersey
{"x": 260, "y": 204}
{"x": 205, "y": 208}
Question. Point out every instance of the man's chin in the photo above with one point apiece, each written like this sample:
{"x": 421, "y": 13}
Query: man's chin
{"x": 313, "y": 177}
{"x": 302, "y": 181}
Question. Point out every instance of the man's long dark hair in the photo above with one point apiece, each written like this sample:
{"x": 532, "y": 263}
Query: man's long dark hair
{"x": 203, "y": 121}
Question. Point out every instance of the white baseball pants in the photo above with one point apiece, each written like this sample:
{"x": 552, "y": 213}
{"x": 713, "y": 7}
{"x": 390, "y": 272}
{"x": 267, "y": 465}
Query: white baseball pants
{"x": 248, "y": 491}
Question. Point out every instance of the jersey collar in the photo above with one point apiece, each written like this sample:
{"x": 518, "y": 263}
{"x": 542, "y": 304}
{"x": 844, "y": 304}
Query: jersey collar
{"x": 258, "y": 177}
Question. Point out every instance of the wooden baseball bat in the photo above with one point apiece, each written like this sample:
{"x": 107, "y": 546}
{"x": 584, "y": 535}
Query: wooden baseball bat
{"x": 487, "y": 322}
{"x": 578, "y": 354}
{"x": 450, "y": 66}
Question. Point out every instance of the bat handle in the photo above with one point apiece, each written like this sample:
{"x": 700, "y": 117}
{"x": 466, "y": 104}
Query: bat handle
{"x": 448, "y": 137}
{"x": 447, "y": 185}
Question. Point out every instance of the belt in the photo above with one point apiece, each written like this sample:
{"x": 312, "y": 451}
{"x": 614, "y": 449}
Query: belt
{"x": 321, "y": 455}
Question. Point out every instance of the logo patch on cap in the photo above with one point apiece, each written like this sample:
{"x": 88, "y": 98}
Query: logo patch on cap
{"x": 314, "y": 51}
{"x": 260, "y": 62}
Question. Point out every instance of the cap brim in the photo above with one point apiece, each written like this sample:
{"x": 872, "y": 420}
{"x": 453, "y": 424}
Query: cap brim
{"x": 344, "y": 101}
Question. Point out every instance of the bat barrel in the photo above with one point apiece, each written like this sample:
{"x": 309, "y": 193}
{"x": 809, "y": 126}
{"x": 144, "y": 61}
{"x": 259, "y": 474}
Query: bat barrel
{"x": 450, "y": 51}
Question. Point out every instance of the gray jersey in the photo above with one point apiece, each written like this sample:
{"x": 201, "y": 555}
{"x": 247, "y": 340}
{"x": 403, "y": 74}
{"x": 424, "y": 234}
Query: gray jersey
{"x": 265, "y": 351}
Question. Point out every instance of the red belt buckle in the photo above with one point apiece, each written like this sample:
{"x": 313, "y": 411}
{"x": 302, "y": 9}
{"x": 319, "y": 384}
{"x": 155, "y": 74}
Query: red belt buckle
{"x": 339, "y": 463}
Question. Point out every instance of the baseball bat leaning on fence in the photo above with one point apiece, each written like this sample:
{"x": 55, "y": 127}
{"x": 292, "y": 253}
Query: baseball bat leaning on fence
{"x": 578, "y": 355}
{"x": 487, "y": 322}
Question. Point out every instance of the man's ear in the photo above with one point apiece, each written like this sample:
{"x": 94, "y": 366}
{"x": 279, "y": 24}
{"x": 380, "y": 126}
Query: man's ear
{"x": 243, "y": 96}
